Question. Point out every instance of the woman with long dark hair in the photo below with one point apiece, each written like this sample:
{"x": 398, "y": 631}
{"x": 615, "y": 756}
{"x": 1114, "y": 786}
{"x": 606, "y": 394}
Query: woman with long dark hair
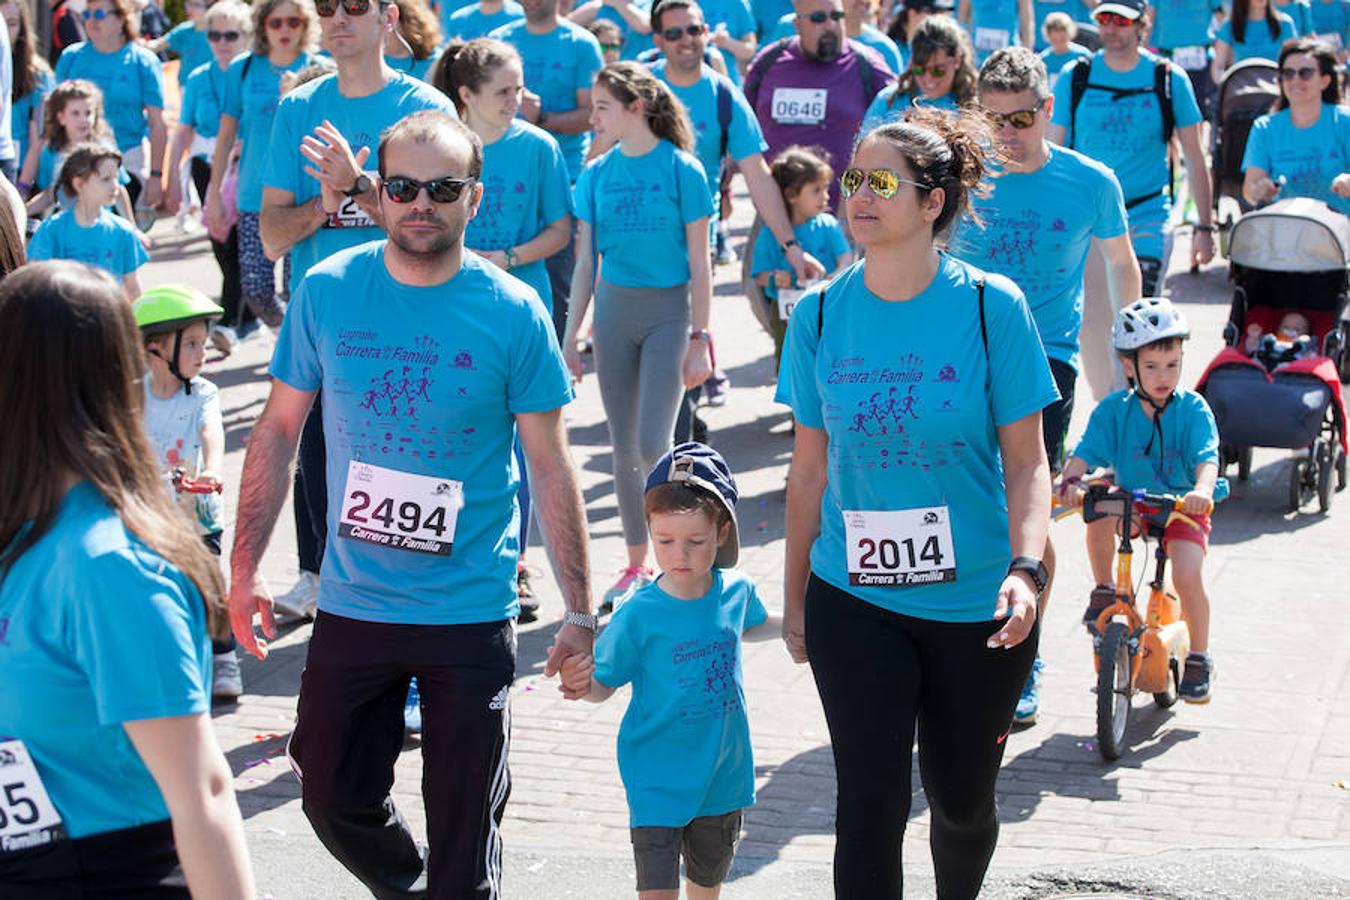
{"x": 107, "y": 604}
{"x": 918, "y": 504}
{"x": 1301, "y": 148}
{"x": 32, "y": 81}
{"x": 642, "y": 253}
{"x": 942, "y": 74}
{"x": 1255, "y": 30}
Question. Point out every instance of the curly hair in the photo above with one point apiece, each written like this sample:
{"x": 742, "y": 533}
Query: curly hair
{"x": 941, "y": 33}
{"x": 62, "y": 95}
{"x": 419, "y": 27}
{"x": 629, "y": 82}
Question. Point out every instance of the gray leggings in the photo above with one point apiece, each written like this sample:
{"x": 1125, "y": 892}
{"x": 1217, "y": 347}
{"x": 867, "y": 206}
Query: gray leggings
{"x": 641, "y": 335}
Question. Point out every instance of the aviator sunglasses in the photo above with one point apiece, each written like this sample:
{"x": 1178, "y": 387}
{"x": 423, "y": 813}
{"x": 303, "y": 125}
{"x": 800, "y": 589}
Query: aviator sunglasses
{"x": 674, "y": 33}
{"x": 1020, "y": 119}
{"x": 401, "y": 189}
{"x": 933, "y": 71}
{"x": 883, "y": 182}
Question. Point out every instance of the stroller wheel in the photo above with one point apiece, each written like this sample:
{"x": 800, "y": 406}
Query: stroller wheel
{"x": 1298, "y": 482}
{"x": 1326, "y": 469}
{"x": 1340, "y": 468}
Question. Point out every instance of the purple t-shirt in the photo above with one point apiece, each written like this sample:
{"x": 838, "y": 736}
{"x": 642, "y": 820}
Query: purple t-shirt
{"x": 805, "y": 101}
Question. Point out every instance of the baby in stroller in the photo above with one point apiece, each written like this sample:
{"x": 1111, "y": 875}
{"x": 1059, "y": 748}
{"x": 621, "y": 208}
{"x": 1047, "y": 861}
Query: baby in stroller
{"x": 1289, "y": 341}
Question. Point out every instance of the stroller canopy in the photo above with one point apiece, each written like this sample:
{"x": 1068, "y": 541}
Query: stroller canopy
{"x": 1295, "y": 235}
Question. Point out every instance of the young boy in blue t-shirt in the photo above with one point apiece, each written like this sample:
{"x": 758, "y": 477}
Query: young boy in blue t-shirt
{"x": 684, "y": 745}
{"x": 1163, "y": 440}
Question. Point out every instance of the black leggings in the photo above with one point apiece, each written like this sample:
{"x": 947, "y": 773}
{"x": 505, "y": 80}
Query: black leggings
{"x": 879, "y": 674}
{"x": 227, "y": 256}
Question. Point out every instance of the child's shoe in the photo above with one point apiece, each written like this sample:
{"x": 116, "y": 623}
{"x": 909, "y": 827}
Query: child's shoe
{"x": 1196, "y": 678}
{"x": 226, "y": 684}
{"x": 1030, "y": 702}
{"x": 633, "y": 578}
{"x": 1102, "y": 596}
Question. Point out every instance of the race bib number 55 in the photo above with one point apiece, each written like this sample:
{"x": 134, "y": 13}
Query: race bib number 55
{"x": 27, "y": 816}
{"x": 400, "y": 510}
{"x": 899, "y": 548}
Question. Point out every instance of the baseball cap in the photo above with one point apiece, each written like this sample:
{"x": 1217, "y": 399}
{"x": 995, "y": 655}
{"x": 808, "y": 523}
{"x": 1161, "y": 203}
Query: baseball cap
{"x": 1130, "y": 9}
{"x": 702, "y": 468}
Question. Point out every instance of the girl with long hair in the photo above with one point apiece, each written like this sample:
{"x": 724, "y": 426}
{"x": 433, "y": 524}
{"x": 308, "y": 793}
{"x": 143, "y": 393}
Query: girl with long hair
{"x": 942, "y": 74}
{"x": 1255, "y": 30}
{"x": 107, "y": 602}
{"x": 642, "y": 253}
{"x": 32, "y": 82}
{"x": 917, "y": 507}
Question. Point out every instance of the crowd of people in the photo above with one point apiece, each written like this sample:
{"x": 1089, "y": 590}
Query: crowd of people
{"x": 960, "y": 209}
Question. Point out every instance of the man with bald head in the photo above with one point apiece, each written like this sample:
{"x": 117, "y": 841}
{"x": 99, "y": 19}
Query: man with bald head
{"x": 814, "y": 88}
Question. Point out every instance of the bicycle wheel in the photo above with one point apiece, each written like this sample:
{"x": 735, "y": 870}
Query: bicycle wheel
{"x": 1114, "y": 690}
{"x": 1168, "y": 697}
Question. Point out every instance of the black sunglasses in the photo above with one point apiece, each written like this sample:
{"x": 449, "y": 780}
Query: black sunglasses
{"x": 820, "y": 17}
{"x": 401, "y": 189}
{"x": 674, "y": 34}
{"x": 328, "y": 8}
{"x": 214, "y": 36}
{"x": 1302, "y": 73}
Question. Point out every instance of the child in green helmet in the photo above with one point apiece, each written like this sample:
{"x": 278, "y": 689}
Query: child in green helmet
{"x": 183, "y": 420}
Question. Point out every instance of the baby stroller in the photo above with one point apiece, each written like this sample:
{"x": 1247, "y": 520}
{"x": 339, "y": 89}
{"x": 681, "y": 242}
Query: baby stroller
{"x": 1246, "y": 92}
{"x": 1288, "y": 257}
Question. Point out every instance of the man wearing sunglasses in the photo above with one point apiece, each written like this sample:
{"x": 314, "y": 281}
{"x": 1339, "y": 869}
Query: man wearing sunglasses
{"x": 431, "y": 360}
{"x": 814, "y": 89}
{"x": 1120, "y": 107}
{"x": 1044, "y": 212}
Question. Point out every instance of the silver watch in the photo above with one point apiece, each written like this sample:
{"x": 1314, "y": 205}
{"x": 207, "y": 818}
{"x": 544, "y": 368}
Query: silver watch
{"x": 585, "y": 620}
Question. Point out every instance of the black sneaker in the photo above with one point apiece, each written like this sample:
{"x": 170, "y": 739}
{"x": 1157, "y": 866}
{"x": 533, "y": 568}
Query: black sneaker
{"x": 529, "y": 604}
{"x": 1102, "y": 596}
{"x": 1196, "y": 678}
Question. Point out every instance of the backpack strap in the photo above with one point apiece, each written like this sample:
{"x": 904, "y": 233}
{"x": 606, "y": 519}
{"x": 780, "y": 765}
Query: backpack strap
{"x": 1078, "y": 80}
{"x": 760, "y": 67}
{"x": 1162, "y": 87}
{"x": 724, "y": 101}
{"x": 984, "y": 329}
{"x": 867, "y": 75}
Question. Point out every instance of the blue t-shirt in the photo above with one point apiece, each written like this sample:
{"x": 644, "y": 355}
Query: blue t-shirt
{"x": 1121, "y": 435}
{"x": 417, "y": 68}
{"x": 131, "y": 82}
{"x": 1331, "y": 21}
{"x": 684, "y": 745}
{"x": 448, "y": 8}
{"x": 767, "y": 14}
{"x": 471, "y": 22}
{"x": 204, "y": 99}
{"x": 425, "y": 381}
{"x": 361, "y": 121}
{"x": 1301, "y": 12}
{"x": 25, "y": 110}
{"x": 252, "y": 92}
{"x": 882, "y": 110}
{"x": 1257, "y": 42}
{"x": 1042, "y": 8}
{"x": 191, "y": 47}
{"x": 637, "y": 207}
{"x": 557, "y": 65}
{"x": 994, "y": 24}
{"x": 874, "y": 37}
{"x": 785, "y": 28}
{"x": 524, "y": 190}
{"x": 1037, "y": 230}
{"x": 1184, "y": 23}
{"x": 910, "y": 404}
{"x": 744, "y": 137}
{"x": 99, "y": 630}
{"x": 1055, "y": 62}
{"x": 736, "y": 17}
{"x": 110, "y": 243}
{"x": 1309, "y": 159}
{"x": 634, "y": 42}
{"x": 821, "y": 236}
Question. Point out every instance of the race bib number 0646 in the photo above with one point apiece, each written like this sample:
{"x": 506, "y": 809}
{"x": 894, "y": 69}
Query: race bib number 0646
{"x": 899, "y": 548}
{"x": 799, "y": 106}
{"x": 400, "y": 510}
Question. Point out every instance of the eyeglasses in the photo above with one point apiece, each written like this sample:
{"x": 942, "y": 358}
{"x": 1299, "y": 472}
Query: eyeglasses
{"x": 401, "y": 189}
{"x": 98, "y": 15}
{"x": 1020, "y": 119}
{"x": 1302, "y": 73}
{"x": 608, "y": 48}
{"x": 933, "y": 71}
{"x": 228, "y": 36}
{"x": 820, "y": 17}
{"x": 276, "y": 23}
{"x": 674, "y": 34}
{"x": 1116, "y": 19}
{"x": 328, "y": 8}
{"x": 883, "y": 182}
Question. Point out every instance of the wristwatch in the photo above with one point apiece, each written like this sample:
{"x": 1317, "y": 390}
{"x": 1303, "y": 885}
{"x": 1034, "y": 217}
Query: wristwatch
{"x": 583, "y": 620}
{"x": 360, "y": 186}
{"x": 512, "y": 258}
{"x": 1034, "y": 568}
{"x": 789, "y": 244}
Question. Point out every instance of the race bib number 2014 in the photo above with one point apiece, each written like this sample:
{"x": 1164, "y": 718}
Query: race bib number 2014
{"x": 399, "y": 510}
{"x": 899, "y": 548}
{"x": 27, "y": 817}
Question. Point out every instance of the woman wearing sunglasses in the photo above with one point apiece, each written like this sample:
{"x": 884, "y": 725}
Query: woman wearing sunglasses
{"x": 283, "y": 38}
{"x": 228, "y": 25}
{"x": 642, "y": 253}
{"x": 1255, "y": 30}
{"x": 942, "y": 74}
{"x": 134, "y": 105}
{"x": 917, "y": 507}
{"x": 1302, "y": 148}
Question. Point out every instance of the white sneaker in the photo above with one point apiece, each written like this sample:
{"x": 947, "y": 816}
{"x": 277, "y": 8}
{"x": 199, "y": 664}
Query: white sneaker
{"x": 302, "y": 600}
{"x": 226, "y": 685}
{"x": 223, "y": 338}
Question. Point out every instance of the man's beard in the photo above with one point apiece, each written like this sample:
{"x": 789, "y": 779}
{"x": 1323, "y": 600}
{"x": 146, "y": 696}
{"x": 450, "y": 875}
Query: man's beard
{"x": 829, "y": 47}
{"x": 439, "y": 244}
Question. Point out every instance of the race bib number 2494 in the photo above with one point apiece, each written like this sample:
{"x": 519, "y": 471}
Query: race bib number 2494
{"x": 400, "y": 510}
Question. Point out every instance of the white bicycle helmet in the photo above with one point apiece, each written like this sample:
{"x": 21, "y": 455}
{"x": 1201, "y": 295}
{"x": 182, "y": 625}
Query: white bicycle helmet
{"x": 1146, "y": 321}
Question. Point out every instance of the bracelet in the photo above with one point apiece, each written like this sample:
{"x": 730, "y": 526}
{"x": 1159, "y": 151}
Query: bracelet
{"x": 701, "y": 335}
{"x": 512, "y": 258}
{"x": 156, "y": 173}
{"x": 1207, "y": 228}
{"x": 788, "y": 244}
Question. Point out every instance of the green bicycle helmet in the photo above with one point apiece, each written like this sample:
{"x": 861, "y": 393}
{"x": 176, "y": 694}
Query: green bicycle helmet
{"x": 168, "y": 309}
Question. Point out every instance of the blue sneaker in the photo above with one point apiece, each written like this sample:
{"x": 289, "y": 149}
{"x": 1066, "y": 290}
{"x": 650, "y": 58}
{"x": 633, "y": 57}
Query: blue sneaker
{"x": 1196, "y": 677}
{"x": 1030, "y": 702}
{"x": 412, "y": 710}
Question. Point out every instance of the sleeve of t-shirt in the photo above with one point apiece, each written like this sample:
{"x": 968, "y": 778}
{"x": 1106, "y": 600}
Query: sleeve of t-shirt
{"x": 296, "y": 357}
{"x": 767, "y": 255}
{"x": 1202, "y": 435}
{"x": 616, "y": 655}
{"x": 177, "y": 37}
{"x": 555, "y": 198}
{"x": 539, "y": 380}
{"x": 282, "y": 173}
{"x": 1225, "y": 33}
{"x": 1112, "y": 220}
{"x": 1097, "y": 446}
{"x": 589, "y": 61}
{"x": 63, "y": 65}
{"x": 745, "y": 137}
{"x": 188, "y": 114}
{"x": 211, "y": 416}
{"x": 233, "y": 102}
{"x": 1257, "y": 153}
{"x": 1184, "y": 106}
{"x": 1061, "y": 114}
{"x": 1024, "y": 384}
{"x": 131, "y": 254}
{"x": 583, "y": 193}
{"x": 42, "y": 244}
{"x": 152, "y": 82}
{"x": 797, "y": 372}
{"x": 695, "y": 201}
{"x": 755, "y": 613}
{"x": 139, "y": 653}
{"x": 740, "y": 21}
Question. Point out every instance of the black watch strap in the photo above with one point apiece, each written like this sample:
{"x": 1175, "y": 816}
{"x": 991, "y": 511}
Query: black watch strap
{"x": 1040, "y": 575}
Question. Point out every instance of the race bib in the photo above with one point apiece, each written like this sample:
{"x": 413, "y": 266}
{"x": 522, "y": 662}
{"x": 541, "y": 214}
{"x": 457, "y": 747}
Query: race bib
{"x": 350, "y": 215}
{"x": 1332, "y": 38}
{"x": 399, "y": 510}
{"x": 1192, "y": 59}
{"x": 787, "y": 301}
{"x": 899, "y": 548}
{"x": 27, "y": 816}
{"x": 799, "y": 106}
{"x": 992, "y": 39}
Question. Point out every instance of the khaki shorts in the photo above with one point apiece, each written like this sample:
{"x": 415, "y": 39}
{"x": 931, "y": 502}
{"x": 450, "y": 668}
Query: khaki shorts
{"x": 708, "y": 845}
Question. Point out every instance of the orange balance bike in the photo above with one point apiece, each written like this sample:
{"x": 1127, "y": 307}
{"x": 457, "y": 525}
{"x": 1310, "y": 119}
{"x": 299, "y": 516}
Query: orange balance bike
{"x": 1134, "y": 654}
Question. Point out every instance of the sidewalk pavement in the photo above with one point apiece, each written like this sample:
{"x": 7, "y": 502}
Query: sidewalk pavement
{"x": 1265, "y": 766}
